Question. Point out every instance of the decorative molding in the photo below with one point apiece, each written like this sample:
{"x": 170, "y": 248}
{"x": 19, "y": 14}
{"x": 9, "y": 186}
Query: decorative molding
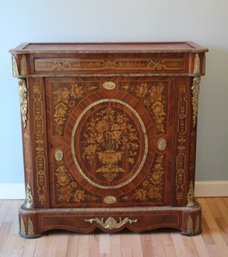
{"x": 202, "y": 189}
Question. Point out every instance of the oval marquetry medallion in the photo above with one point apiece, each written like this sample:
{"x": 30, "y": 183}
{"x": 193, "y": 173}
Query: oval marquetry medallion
{"x": 109, "y": 143}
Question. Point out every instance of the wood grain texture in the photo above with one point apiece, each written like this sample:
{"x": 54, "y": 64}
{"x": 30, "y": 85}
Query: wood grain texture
{"x": 213, "y": 241}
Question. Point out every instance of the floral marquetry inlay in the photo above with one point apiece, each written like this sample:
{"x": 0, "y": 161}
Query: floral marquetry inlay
{"x": 152, "y": 186}
{"x": 65, "y": 97}
{"x": 109, "y": 140}
{"x": 154, "y": 97}
{"x": 68, "y": 190}
{"x": 107, "y": 137}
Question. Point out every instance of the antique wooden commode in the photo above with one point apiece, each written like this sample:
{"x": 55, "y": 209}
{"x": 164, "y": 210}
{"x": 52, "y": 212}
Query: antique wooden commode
{"x": 109, "y": 135}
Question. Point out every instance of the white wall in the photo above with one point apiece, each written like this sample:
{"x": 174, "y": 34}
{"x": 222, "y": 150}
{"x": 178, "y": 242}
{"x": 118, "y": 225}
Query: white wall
{"x": 202, "y": 21}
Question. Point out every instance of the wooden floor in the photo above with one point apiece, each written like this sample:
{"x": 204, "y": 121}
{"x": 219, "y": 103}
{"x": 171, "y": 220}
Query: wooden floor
{"x": 212, "y": 242}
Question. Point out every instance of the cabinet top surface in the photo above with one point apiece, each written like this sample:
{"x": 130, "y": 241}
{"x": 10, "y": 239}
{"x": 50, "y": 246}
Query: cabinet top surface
{"x": 144, "y": 47}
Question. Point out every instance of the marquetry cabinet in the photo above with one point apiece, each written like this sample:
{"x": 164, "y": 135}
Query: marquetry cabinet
{"x": 109, "y": 135}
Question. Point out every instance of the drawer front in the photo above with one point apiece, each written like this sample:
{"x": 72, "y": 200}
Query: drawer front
{"x": 110, "y": 141}
{"x": 111, "y": 63}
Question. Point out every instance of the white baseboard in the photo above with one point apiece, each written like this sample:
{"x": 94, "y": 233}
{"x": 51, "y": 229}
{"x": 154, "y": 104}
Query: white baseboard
{"x": 211, "y": 188}
{"x": 202, "y": 189}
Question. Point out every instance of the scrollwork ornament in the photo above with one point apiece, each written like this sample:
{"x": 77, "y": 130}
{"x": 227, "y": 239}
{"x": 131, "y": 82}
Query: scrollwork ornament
{"x": 23, "y": 101}
{"x": 195, "y": 95}
{"x": 110, "y": 223}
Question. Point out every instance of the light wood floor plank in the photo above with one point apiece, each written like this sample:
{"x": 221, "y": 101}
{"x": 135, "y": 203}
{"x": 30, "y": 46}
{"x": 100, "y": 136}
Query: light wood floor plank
{"x": 213, "y": 242}
{"x": 94, "y": 245}
{"x": 157, "y": 246}
{"x": 136, "y": 244}
{"x": 115, "y": 245}
{"x": 200, "y": 246}
{"x": 221, "y": 248}
{"x": 73, "y": 245}
{"x": 146, "y": 245}
{"x": 168, "y": 245}
{"x": 104, "y": 244}
{"x": 179, "y": 245}
{"x": 83, "y": 249}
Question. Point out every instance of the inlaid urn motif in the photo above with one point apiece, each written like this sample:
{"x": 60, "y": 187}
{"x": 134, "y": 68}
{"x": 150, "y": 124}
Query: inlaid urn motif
{"x": 109, "y": 136}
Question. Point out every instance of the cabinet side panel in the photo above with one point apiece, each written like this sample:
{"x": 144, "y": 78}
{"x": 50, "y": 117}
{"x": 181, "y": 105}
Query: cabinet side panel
{"x": 39, "y": 138}
{"x": 182, "y": 142}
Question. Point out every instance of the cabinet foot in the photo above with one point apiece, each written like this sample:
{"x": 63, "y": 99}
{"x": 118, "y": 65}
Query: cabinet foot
{"x": 191, "y": 223}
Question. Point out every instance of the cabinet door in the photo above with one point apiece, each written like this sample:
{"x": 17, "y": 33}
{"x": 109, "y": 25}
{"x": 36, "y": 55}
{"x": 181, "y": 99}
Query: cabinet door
{"x": 110, "y": 141}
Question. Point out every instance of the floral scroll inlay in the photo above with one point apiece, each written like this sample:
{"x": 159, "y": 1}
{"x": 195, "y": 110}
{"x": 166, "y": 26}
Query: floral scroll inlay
{"x": 67, "y": 188}
{"x": 152, "y": 186}
{"x": 153, "y": 96}
{"x": 107, "y": 137}
{"x": 65, "y": 99}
